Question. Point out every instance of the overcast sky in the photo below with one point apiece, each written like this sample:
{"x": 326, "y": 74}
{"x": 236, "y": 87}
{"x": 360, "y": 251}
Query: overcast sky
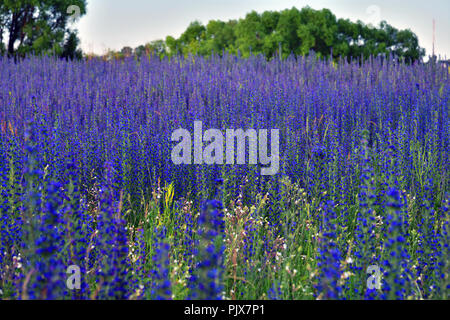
{"x": 113, "y": 24}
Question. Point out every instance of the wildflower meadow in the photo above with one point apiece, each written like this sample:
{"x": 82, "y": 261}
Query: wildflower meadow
{"x": 355, "y": 204}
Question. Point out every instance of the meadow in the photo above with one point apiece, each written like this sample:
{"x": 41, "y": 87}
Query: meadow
{"x": 359, "y": 208}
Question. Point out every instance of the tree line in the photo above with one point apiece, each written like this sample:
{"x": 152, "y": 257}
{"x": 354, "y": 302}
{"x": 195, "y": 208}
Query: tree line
{"x": 41, "y": 26}
{"x": 291, "y": 31}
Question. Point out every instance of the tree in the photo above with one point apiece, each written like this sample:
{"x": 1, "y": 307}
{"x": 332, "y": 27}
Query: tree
{"x": 39, "y": 27}
{"x": 290, "y": 31}
{"x": 219, "y": 36}
{"x": 173, "y": 45}
{"x": 194, "y": 32}
{"x": 190, "y": 39}
{"x": 126, "y": 51}
{"x": 157, "y": 47}
{"x": 320, "y": 30}
{"x": 287, "y": 27}
{"x": 408, "y": 46}
{"x": 70, "y": 50}
{"x": 250, "y": 34}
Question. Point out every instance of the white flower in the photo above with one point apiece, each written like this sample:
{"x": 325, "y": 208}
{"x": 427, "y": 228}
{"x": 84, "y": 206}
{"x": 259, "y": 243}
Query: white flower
{"x": 346, "y": 274}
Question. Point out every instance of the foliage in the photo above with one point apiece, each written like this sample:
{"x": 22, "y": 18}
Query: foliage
{"x": 38, "y": 27}
{"x": 293, "y": 31}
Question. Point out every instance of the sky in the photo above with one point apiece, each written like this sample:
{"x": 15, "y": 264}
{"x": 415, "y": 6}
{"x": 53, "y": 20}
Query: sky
{"x": 113, "y": 24}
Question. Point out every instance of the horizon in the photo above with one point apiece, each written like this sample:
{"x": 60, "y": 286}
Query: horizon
{"x": 146, "y": 21}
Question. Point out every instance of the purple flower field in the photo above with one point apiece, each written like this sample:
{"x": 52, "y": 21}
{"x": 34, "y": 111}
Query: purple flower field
{"x": 93, "y": 207}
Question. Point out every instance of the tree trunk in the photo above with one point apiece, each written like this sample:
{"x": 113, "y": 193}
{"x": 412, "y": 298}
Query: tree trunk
{"x": 18, "y": 21}
{"x": 12, "y": 34}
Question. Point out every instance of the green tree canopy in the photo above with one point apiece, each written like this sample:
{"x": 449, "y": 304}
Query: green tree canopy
{"x": 39, "y": 27}
{"x": 294, "y": 31}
